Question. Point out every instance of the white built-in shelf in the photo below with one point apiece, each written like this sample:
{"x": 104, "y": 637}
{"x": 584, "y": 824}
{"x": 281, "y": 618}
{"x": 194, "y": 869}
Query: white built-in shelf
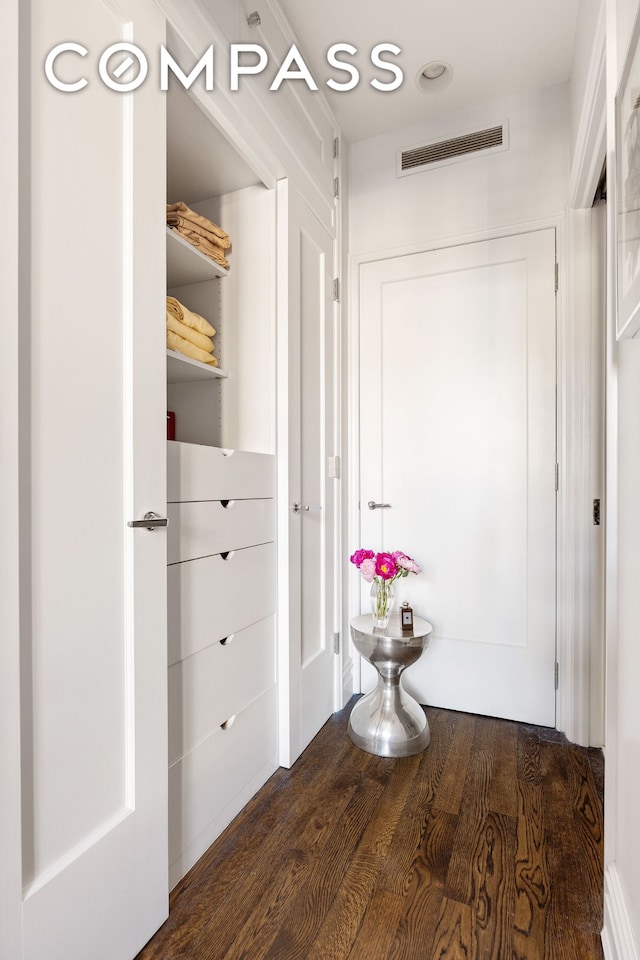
{"x": 185, "y": 263}
{"x": 181, "y": 369}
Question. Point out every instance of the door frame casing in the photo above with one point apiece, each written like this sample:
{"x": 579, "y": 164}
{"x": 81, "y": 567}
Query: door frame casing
{"x": 16, "y": 148}
{"x": 569, "y": 684}
{"x": 291, "y": 743}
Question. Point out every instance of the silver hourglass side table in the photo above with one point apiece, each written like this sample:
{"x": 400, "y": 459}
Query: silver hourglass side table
{"x": 389, "y": 722}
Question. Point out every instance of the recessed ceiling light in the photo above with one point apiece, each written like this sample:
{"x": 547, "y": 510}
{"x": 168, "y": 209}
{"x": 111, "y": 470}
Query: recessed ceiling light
{"x": 434, "y": 76}
{"x": 434, "y": 70}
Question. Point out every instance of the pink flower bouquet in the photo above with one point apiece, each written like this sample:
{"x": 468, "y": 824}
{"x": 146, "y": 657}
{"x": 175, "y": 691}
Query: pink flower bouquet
{"x": 381, "y": 570}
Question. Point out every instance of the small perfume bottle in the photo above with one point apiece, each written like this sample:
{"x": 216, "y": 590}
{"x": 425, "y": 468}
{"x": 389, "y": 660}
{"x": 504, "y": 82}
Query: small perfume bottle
{"x": 406, "y": 616}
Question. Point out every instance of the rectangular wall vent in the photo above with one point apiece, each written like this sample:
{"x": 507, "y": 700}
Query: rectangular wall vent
{"x": 438, "y": 152}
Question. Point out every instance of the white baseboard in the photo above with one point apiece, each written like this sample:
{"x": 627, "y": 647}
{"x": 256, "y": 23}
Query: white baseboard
{"x": 618, "y": 941}
{"x": 347, "y": 681}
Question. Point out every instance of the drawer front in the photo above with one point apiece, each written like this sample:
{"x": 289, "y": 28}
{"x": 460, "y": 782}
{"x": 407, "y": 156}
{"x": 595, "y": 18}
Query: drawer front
{"x": 211, "y": 597}
{"x": 201, "y": 529}
{"x": 218, "y": 682}
{"x": 206, "y": 779}
{"x": 197, "y": 472}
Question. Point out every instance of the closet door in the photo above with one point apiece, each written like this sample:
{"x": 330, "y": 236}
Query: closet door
{"x": 92, "y": 729}
{"x": 305, "y": 299}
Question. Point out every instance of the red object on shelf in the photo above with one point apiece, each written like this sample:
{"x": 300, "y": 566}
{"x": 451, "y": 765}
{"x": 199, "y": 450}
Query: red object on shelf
{"x": 171, "y": 425}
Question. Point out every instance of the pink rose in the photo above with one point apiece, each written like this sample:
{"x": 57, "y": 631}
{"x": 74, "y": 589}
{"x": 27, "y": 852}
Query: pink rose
{"x": 368, "y": 569}
{"x": 407, "y": 563}
{"x": 361, "y": 555}
{"x": 386, "y": 566}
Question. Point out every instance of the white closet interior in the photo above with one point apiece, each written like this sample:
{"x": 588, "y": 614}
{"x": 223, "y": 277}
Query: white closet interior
{"x": 223, "y": 737}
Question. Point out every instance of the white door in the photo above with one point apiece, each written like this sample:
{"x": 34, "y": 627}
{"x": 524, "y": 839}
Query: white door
{"x": 89, "y": 873}
{"x": 305, "y": 299}
{"x": 458, "y": 435}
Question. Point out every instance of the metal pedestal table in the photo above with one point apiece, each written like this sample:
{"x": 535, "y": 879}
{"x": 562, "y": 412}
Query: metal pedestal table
{"x": 389, "y": 722}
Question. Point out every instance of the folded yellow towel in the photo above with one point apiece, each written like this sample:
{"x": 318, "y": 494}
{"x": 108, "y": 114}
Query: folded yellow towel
{"x": 174, "y": 342}
{"x": 203, "y": 245}
{"x": 184, "y": 211}
{"x": 188, "y": 333}
{"x": 179, "y": 223}
{"x": 191, "y": 319}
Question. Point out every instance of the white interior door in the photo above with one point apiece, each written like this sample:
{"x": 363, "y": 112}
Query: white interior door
{"x": 306, "y": 300}
{"x": 458, "y": 435}
{"x": 92, "y": 775}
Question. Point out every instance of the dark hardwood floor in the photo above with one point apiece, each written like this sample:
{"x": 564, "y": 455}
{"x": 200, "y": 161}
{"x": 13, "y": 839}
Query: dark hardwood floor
{"x": 487, "y": 845}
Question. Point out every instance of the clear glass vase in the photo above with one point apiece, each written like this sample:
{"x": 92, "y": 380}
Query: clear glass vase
{"x": 382, "y": 601}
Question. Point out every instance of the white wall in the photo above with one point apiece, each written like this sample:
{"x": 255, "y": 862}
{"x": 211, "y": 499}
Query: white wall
{"x": 527, "y": 182}
{"x": 589, "y": 21}
{"x": 624, "y": 681}
{"x": 622, "y": 785}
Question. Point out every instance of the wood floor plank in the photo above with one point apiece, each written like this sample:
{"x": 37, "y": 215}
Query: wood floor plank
{"x": 348, "y": 856}
{"x": 565, "y": 940}
{"x": 419, "y": 820}
{"x": 322, "y": 872}
{"x": 528, "y": 758}
{"x": 493, "y": 887}
{"x": 422, "y": 904}
{"x": 379, "y": 925}
{"x": 587, "y": 809}
{"x": 470, "y": 828}
{"x": 253, "y": 935}
{"x": 296, "y": 932}
{"x": 453, "y": 938}
{"x": 338, "y": 931}
{"x": 532, "y": 879}
{"x": 502, "y": 797}
{"x": 596, "y": 761}
{"x": 450, "y": 788}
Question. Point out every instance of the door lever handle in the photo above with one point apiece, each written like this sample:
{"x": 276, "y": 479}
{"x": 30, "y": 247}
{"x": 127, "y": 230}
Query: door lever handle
{"x": 150, "y": 521}
{"x": 308, "y": 509}
{"x": 377, "y": 506}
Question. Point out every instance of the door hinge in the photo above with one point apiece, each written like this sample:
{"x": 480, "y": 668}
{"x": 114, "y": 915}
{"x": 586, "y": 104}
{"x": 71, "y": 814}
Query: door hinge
{"x": 336, "y": 148}
{"x": 557, "y": 282}
{"x": 336, "y": 643}
{"x": 334, "y": 468}
{"x": 596, "y": 512}
{"x": 555, "y": 674}
{"x": 336, "y": 187}
{"x": 336, "y": 290}
{"x": 557, "y": 477}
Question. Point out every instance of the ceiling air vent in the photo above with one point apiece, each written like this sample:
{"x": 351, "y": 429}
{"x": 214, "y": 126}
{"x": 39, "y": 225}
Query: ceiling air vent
{"x": 436, "y": 153}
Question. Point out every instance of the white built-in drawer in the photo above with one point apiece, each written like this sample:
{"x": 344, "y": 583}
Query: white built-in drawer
{"x": 197, "y": 472}
{"x": 207, "y": 778}
{"x": 216, "y": 526}
{"x": 211, "y": 597}
{"x": 214, "y": 684}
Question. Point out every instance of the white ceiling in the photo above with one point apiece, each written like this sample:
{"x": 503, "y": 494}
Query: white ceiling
{"x": 496, "y": 48}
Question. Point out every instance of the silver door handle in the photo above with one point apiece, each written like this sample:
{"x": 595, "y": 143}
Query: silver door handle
{"x": 377, "y": 506}
{"x": 308, "y": 509}
{"x": 150, "y": 521}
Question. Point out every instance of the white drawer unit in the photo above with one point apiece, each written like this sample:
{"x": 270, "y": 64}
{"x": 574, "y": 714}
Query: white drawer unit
{"x": 198, "y": 472}
{"x": 217, "y": 683}
{"x": 205, "y": 783}
{"x": 213, "y": 597}
{"x": 216, "y": 526}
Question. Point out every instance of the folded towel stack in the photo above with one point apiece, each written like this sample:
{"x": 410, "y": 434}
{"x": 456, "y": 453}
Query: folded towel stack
{"x": 207, "y": 236}
{"x": 189, "y": 333}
